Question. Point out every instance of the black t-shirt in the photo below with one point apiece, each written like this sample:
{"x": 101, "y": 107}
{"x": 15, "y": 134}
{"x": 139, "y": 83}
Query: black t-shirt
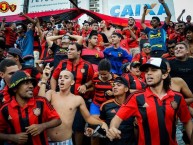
{"x": 108, "y": 111}
{"x": 184, "y": 70}
{"x": 59, "y": 54}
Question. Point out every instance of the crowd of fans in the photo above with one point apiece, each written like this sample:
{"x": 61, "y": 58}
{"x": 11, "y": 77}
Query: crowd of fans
{"x": 63, "y": 84}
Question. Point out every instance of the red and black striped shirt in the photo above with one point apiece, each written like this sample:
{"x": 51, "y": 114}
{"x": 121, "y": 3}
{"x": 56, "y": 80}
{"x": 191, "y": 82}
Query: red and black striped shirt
{"x": 100, "y": 89}
{"x": 156, "y": 118}
{"x": 15, "y": 118}
{"x": 82, "y": 71}
{"x": 134, "y": 81}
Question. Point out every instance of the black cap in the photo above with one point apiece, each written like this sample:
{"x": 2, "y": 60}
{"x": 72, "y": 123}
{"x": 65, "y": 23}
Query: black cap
{"x": 16, "y": 51}
{"x": 19, "y": 77}
{"x": 135, "y": 63}
{"x": 121, "y": 80}
{"x": 155, "y": 62}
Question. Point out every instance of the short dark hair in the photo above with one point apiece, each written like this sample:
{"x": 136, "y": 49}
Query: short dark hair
{"x": 188, "y": 28}
{"x": 23, "y": 26}
{"x": 104, "y": 65}
{"x": 79, "y": 47}
{"x": 183, "y": 43}
{"x": 172, "y": 41}
{"x": 6, "y": 63}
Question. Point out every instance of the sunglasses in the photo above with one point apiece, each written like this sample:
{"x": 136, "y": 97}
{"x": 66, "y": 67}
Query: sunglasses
{"x": 147, "y": 46}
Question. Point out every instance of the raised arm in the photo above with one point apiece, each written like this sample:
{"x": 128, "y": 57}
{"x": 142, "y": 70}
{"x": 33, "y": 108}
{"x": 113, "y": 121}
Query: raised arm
{"x": 27, "y": 17}
{"x": 168, "y": 18}
{"x": 2, "y": 28}
{"x": 79, "y": 39}
{"x": 50, "y": 40}
{"x": 179, "y": 17}
{"x": 143, "y": 17}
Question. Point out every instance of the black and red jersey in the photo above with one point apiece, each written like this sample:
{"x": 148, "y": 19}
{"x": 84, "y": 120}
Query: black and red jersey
{"x": 100, "y": 89}
{"x": 82, "y": 71}
{"x": 135, "y": 82}
{"x": 107, "y": 111}
{"x": 168, "y": 56}
{"x": 156, "y": 118}
{"x": 141, "y": 57}
{"x": 15, "y": 118}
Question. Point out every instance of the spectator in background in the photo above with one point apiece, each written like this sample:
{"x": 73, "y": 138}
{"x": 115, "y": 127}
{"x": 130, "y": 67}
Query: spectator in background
{"x": 9, "y": 32}
{"x": 171, "y": 47}
{"x": 106, "y": 29}
{"x": 171, "y": 28}
{"x": 133, "y": 44}
{"x": 157, "y": 34}
{"x": 92, "y": 53}
{"x": 188, "y": 18}
{"x": 25, "y": 41}
{"x": 189, "y": 38}
{"x": 135, "y": 81}
{"x": 116, "y": 55}
{"x": 94, "y": 25}
{"x": 85, "y": 31}
{"x": 144, "y": 55}
{"x": 7, "y": 69}
{"x": 182, "y": 65}
{"x": 178, "y": 33}
{"x": 15, "y": 55}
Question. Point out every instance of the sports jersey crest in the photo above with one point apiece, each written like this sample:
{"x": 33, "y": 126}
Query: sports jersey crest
{"x": 37, "y": 111}
{"x": 174, "y": 104}
{"x": 82, "y": 70}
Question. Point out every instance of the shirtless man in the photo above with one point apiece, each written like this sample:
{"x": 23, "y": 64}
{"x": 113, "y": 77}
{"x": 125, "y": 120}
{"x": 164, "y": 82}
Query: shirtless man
{"x": 108, "y": 31}
{"x": 66, "y": 104}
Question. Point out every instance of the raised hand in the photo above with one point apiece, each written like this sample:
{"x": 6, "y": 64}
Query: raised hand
{"x": 161, "y": 1}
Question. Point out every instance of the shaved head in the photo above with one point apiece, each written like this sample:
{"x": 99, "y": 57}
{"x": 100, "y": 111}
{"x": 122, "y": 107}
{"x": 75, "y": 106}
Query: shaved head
{"x": 67, "y": 73}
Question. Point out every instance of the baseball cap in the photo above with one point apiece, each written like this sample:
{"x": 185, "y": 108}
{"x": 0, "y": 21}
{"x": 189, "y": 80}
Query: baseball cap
{"x": 118, "y": 33}
{"x": 135, "y": 63}
{"x": 16, "y": 51}
{"x": 19, "y": 77}
{"x": 121, "y": 80}
{"x": 155, "y": 62}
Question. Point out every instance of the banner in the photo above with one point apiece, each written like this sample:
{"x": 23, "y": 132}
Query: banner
{"x": 134, "y": 8}
{"x": 47, "y": 5}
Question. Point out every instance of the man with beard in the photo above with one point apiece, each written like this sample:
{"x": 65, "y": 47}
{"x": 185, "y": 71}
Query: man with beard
{"x": 25, "y": 118}
{"x": 155, "y": 108}
{"x": 156, "y": 35}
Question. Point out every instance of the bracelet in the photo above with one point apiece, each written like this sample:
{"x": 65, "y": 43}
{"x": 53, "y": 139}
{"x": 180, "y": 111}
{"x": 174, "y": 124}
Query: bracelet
{"x": 86, "y": 86}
